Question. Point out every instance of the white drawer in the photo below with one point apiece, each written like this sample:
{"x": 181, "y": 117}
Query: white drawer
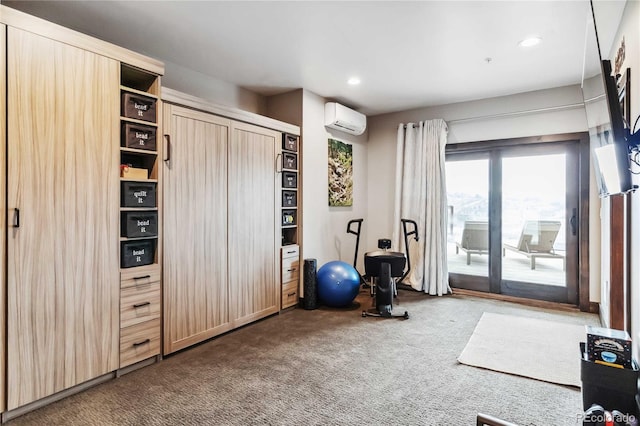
{"x": 292, "y": 250}
{"x": 290, "y": 269}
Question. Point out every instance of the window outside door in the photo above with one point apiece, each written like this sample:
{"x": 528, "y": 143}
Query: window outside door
{"x": 513, "y": 221}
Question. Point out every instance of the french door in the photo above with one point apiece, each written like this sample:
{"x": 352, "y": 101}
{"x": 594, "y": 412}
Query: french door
{"x": 513, "y": 220}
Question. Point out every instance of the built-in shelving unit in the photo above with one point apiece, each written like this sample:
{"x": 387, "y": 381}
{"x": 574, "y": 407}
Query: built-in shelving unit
{"x": 290, "y": 253}
{"x": 140, "y": 225}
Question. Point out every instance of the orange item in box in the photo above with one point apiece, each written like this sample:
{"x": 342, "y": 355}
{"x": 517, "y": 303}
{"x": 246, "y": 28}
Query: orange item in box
{"x": 133, "y": 173}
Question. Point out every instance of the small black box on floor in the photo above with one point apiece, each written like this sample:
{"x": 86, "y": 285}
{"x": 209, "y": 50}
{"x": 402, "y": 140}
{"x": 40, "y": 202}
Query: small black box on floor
{"x": 289, "y": 180}
{"x": 289, "y": 142}
{"x": 139, "y": 224}
{"x": 138, "y": 136}
{"x": 289, "y": 198}
{"x": 289, "y": 160}
{"x": 138, "y": 194}
{"x": 608, "y": 346}
{"x": 288, "y": 217}
{"x": 138, "y": 106}
{"x": 136, "y": 253}
{"x": 610, "y": 387}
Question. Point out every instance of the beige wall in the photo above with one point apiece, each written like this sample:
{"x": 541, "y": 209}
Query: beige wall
{"x": 324, "y": 227}
{"x": 629, "y": 29}
{"x": 217, "y": 91}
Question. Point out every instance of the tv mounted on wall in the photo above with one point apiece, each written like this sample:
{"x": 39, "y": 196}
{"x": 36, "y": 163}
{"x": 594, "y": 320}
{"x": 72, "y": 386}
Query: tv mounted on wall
{"x": 607, "y": 131}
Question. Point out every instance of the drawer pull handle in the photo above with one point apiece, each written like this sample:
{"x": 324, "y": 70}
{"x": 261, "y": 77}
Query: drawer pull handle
{"x": 291, "y": 294}
{"x": 144, "y": 342}
{"x": 16, "y": 221}
{"x": 291, "y": 252}
{"x": 142, "y": 277}
{"x": 140, "y": 305}
{"x": 291, "y": 270}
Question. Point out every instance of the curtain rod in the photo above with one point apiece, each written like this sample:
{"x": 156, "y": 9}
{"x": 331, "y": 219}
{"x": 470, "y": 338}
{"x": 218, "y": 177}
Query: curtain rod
{"x": 515, "y": 113}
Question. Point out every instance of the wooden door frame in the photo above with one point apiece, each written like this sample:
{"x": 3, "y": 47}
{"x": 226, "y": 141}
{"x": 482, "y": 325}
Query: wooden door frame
{"x": 582, "y": 139}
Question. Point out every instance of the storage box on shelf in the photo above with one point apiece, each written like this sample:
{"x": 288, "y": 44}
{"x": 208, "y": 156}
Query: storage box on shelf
{"x": 139, "y": 217}
{"x": 289, "y": 221}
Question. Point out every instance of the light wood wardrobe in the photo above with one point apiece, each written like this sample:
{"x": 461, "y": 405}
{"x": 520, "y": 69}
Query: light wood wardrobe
{"x": 222, "y": 219}
{"x": 63, "y": 198}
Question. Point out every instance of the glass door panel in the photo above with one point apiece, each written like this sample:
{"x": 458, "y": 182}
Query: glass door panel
{"x": 468, "y": 231}
{"x": 534, "y": 219}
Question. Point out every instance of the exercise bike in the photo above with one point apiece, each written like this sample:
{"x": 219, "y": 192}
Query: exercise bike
{"x": 384, "y": 269}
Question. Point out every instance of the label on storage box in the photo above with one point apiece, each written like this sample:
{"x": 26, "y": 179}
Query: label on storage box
{"x": 609, "y": 347}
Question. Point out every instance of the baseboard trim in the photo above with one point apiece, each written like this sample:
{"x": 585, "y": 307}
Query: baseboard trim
{"x": 138, "y": 365}
{"x": 522, "y": 301}
{"x": 16, "y": 412}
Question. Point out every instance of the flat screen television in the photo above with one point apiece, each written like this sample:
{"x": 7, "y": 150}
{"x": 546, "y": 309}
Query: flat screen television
{"x": 607, "y": 130}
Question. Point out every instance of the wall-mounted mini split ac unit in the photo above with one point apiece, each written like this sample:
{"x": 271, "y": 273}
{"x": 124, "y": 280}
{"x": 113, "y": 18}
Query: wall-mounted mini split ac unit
{"x": 345, "y": 119}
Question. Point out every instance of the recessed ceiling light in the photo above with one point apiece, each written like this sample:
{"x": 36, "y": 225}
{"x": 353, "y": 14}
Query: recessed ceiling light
{"x": 353, "y": 81}
{"x": 530, "y": 41}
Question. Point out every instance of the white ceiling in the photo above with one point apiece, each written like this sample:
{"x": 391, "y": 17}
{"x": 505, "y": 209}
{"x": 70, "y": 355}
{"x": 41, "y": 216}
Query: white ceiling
{"x": 407, "y": 54}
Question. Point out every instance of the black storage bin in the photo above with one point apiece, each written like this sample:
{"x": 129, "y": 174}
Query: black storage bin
{"x": 289, "y": 180}
{"x": 289, "y": 142}
{"x": 138, "y": 106}
{"x": 289, "y": 198}
{"x": 289, "y": 160}
{"x": 139, "y": 224}
{"x": 138, "y": 136}
{"x": 138, "y": 194}
{"x": 610, "y": 387}
{"x": 136, "y": 253}
{"x": 288, "y": 217}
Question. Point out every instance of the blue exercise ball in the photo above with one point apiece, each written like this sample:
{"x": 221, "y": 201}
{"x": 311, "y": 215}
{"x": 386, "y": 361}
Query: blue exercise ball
{"x": 338, "y": 284}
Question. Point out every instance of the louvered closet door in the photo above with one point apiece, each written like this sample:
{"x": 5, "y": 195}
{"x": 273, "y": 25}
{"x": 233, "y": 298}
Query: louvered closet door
{"x": 253, "y": 226}
{"x": 63, "y": 269}
{"x": 195, "y": 228}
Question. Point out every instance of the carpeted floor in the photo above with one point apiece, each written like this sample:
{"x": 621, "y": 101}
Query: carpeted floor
{"x": 330, "y": 367}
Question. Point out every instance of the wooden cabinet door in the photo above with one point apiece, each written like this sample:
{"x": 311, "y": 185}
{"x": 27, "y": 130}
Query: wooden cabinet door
{"x": 3, "y": 186}
{"x": 253, "y": 225}
{"x": 195, "y": 227}
{"x": 63, "y": 198}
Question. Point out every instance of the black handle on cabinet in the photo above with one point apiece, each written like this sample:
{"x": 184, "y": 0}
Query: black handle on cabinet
{"x": 16, "y": 219}
{"x": 140, "y": 305}
{"x": 144, "y": 342}
{"x": 291, "y": 294}
{"x": 168, "y": 149}
{"x": 142, "y": 277}
{"x": 291, "y": 270}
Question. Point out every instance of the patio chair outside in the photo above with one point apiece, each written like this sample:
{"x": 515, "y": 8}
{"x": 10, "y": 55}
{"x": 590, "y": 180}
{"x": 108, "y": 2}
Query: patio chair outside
{"x": 537, "y": 240}
{"x": 475, "y": 239}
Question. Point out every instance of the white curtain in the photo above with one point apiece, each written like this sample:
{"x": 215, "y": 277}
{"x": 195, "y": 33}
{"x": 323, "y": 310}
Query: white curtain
{"x": 421, "y": 195}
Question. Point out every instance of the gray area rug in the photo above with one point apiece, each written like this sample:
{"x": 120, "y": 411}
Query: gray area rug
{"x": 529, "y": 347}
{"x": 330, "y": 367}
